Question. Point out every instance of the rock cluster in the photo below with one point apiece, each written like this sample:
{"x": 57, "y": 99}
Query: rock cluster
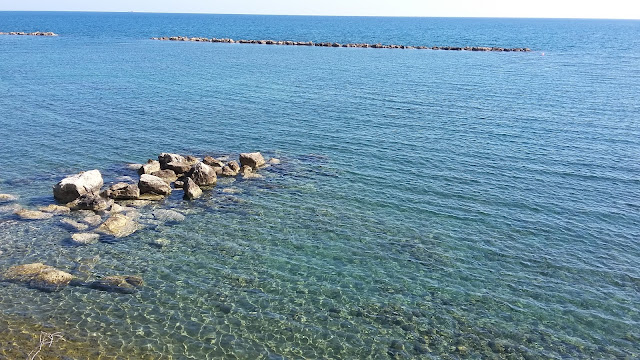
{"x": 92, "y": 212}
{"x": 335, "y": 44}
{"x": 35, "y": 33}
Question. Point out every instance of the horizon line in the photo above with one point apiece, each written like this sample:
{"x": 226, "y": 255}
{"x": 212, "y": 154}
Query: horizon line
{"x": 323, "y": 15}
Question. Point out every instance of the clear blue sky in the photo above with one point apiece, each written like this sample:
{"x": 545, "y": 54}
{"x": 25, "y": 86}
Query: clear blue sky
{"x": 613, "y": 9}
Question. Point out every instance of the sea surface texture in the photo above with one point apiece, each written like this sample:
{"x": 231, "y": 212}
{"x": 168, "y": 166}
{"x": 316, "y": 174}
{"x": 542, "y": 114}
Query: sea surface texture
{"x": 428, "y": 204}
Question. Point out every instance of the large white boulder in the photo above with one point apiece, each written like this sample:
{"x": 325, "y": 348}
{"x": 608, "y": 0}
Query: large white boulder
{"x": 72, "y": 187}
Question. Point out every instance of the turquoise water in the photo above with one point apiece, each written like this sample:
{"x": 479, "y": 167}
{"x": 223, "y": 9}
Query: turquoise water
{"x": 428, "y": 204}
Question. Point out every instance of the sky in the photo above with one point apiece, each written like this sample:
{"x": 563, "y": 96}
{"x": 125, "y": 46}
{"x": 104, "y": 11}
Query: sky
{"x": 608, "y": 9}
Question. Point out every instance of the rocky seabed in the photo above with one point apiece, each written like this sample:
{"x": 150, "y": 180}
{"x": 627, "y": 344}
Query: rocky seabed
{"x": 335, "y": 44}
{"x": 94, "y": 212}
{"x": 35, "y": 33}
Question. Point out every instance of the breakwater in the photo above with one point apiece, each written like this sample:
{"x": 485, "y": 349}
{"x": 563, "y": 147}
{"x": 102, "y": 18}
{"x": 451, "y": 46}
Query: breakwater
{"x": 35, "y": 33}
{"x": 335, "y": 44}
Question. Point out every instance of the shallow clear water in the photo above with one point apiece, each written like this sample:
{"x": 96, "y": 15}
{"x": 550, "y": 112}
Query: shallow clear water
{"x": 429, "y": 203}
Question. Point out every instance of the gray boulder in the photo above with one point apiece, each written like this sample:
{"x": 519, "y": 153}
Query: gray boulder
{"x": 166, "y": 215}
{"x": 150, "y": 167}
{"x": 191, "y": 190}
{"x": 166, "y": 158}
{"x": 72, "y": 187}
{"x": 153, "y": 185}
{"x": 253, "y": 159}
{"x": 203, "y": 175}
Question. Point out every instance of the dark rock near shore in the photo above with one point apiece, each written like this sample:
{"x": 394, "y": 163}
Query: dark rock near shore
{"x": 166, "y": 158}
{"x": 124, "y": 191}
{"x": 90, "y": 202}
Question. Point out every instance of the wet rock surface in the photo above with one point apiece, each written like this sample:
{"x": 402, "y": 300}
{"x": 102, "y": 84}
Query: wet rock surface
{"x": 125, "y": 284}
{"x": 39, "y": 276}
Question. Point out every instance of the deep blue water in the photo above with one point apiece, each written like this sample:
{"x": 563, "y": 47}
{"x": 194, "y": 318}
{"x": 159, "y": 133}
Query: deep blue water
{"x": 429, "y": 204}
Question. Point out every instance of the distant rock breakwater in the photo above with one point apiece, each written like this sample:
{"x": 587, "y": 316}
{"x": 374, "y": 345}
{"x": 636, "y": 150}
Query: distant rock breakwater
{"x": 335, "y": 44}
{"x": 36, "y": 33}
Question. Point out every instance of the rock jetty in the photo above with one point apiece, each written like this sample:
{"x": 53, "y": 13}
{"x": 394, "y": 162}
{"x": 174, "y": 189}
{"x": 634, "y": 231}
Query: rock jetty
{"x": 335, "y": 44}
{"x": 35, "y": 33}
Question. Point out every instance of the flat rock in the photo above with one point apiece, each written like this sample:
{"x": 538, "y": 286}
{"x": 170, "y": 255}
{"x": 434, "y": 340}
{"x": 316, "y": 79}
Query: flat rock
{"x": 231, "y": 191}
{"x": 39, "y": 276}
{"x": 85, "y": 238}
{"x": 33, "y": 214}
{"x": 191, "y": 190}
{"x": 152, "y": 197}
{"x": 136, "y": 203}
{"x": 179, "y": 167}
{"x": 135, "y": 167}
{"x": 55, "y": 209}
{"x": 72, "y": 187}
{"x": 118, "y": 225}
{"x": 74, "y": 224}
{"x": 153, "y": 185}
{"x": 166, "y": 215}
{"x": 125, "y": 284}
{"x": 167, "y": 175}
{"x": 150, "y": 167}
{"x": 116, "y": 208}
{"x": 253, "y": 159}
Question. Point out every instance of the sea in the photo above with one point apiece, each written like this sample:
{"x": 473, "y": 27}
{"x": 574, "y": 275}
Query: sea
{"x": 427, "y": 205}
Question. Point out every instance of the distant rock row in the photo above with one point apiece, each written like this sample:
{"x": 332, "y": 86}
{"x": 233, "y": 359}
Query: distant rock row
{"x": 36, "y": 33}
{"x": 334, "y": 44}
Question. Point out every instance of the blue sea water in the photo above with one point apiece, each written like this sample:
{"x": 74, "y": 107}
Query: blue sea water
{"x": 429, "y": 204}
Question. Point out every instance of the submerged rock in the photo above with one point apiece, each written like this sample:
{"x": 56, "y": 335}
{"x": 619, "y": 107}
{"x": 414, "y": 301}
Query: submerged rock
{"x": 118, "y": 225}
{"x": 7, "y": 197}
{"x": 55, "y": 209}
{"x": 124, "y": 191}
{"x": 39, "y": 276}
{"x": 90, "y": 202}
{"x": 253, "y": 159}
{"x": 150, "y": 167}
{"x": 93, "y": 220}
{"x": 274, "y": 161}
{"x": 154, "y": 185}
{"x": 85, "y": 238}
{"x": 160, "y": 243}
{"x": 203, "y": 175}
{"x": 72, "y": 187}
{"x": 191, "y": 190}
{"x": 125, "y": 284}
{"x": 74, "y": 224}
{"x": 165, "y": 215}
{"x": 33, "y": 214}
